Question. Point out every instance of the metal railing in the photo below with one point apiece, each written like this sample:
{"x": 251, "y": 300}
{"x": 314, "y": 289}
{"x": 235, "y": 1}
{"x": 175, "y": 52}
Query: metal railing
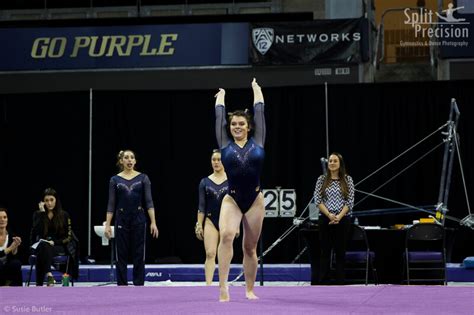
{"x": 139, "y": 10}
{"x": 392, "y": 39}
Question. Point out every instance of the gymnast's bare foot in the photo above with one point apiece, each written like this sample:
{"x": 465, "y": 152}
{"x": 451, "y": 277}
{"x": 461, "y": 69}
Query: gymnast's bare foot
{"x": 250, "y": 295}
{"x": 224, "y": 294}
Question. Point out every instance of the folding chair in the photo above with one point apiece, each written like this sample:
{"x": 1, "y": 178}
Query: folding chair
{"x": 359, "y": 258}
{"x": 425, "y": 253}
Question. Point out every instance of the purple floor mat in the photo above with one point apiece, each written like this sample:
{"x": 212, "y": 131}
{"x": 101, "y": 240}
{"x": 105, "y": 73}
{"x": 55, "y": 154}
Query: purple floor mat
{"x": 382, "y": 299}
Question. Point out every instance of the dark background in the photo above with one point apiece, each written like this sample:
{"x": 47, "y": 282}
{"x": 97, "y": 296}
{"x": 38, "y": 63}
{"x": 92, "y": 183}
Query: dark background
{"x": 44, "y": 141}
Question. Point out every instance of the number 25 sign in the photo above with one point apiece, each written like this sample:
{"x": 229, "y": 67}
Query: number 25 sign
{"x": 279, "y": 202}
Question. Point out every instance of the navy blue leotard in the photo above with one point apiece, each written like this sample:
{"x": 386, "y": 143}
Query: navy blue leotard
{"x": 243, "y": 166}
{"x": 129, "y": 199}
{"x": 210, "y": 199}
{"x": 129, "y": 195}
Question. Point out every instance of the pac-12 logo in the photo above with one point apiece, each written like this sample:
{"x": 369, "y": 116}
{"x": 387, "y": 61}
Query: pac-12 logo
{"x": 263, "y": 39}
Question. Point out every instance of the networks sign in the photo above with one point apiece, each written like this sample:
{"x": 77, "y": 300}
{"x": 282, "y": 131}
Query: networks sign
{"x": 437, "y": 29}
{"x": 325, "y": 41}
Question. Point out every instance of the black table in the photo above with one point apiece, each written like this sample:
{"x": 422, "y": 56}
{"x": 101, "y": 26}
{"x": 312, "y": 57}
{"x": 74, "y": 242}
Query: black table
{"x": 388, "y": 245}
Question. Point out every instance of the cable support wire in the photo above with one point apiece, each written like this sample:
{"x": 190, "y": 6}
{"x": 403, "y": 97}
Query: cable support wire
{"x": 406, "y": 205}
{"x": 399, "y": 173}
{"x": 401, "y": 154}
{"x": 372, "y": 212}
{"x": 299, "y": 255}
{"x": 300, "y": 220}
{"x": 456, "y": 141}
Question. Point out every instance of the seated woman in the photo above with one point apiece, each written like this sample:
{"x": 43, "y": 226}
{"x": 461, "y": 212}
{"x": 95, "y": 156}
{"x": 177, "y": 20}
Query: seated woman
{"x": 10, "y": 266}
{"x": 52, "y": 229}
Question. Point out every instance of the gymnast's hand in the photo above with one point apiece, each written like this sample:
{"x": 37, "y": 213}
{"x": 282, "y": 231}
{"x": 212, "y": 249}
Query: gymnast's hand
{"x": 257, "y": 92}
{"x": 255, "y": 84}
{"x": 154, "y": 230}
{"x": 220, "y": 97}
{"x": 199, "y": 231}
{"x": 108, "y": 232}
{"x": 220, "y": 93}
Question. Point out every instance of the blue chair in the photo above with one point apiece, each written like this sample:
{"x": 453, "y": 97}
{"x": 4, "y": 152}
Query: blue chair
{"x": 58, "y": 261}
{"x": 425, "y": 253}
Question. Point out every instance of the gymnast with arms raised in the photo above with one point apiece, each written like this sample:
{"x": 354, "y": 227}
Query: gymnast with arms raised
{"x": 242, "y": 158}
